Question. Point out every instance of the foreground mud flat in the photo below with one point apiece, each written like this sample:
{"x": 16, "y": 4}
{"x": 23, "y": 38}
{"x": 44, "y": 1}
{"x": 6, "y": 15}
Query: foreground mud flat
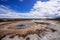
{"x": 27, "y": 30}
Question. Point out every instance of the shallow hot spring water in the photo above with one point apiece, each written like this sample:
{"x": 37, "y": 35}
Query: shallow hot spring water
{"x": 21, "y": 26}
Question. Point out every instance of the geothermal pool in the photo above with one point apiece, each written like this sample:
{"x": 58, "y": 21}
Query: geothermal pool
{"x": 30, "y": 30}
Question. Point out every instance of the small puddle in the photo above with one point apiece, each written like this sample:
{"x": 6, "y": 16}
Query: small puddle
{"x": 21, "y": 26}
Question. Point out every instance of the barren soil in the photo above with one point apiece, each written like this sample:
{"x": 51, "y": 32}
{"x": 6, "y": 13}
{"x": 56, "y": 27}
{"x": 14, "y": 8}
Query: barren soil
{"x": 29, "y": 30}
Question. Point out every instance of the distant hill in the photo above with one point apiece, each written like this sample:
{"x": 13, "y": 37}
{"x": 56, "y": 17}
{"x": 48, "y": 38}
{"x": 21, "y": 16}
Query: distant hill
{"x": 22, "y": 19}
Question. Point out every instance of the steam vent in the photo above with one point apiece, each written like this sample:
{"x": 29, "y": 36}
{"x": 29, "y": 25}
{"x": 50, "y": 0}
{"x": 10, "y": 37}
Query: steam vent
{"x": 24, "y": 30}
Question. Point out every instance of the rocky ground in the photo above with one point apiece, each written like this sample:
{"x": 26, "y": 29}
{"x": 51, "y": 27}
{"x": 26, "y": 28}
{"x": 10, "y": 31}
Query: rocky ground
{"x": 29, "y": 30}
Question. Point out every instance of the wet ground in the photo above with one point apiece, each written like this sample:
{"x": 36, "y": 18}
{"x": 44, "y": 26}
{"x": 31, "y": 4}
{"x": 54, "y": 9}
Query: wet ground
{"x": 50, "y": 30}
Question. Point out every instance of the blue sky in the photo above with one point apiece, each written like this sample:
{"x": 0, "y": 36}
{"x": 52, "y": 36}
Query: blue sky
{"x": 29, "y": 8}
{"x": 19, "y": 6}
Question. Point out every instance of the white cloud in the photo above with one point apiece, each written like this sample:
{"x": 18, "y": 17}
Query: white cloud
{"x": 40, "y": 10}
{"x": 7, "y": 13}
{"x": 46, "y": 9}
{"x": 21, "y": 0}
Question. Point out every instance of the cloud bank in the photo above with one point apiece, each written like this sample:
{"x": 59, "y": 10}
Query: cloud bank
{"x": 46, "y": 9}
{"x": 49, "y": 9}
{"x": 7, "y": 13}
